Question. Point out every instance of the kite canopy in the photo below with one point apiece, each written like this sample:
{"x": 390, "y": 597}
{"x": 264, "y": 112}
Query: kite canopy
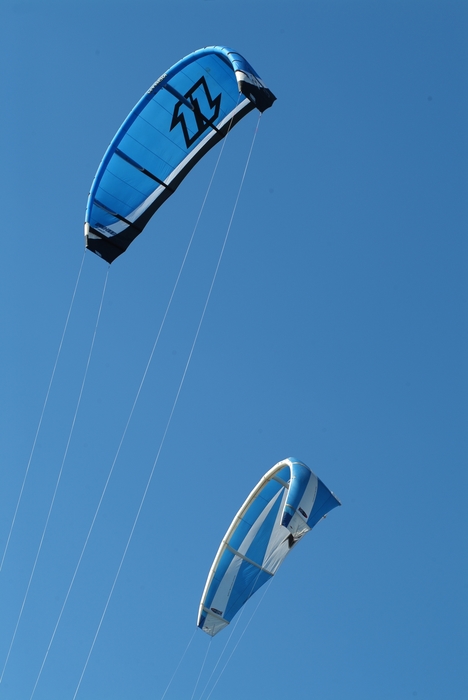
{"x": 287, "y": 502}
{"x": 188, "y": 110}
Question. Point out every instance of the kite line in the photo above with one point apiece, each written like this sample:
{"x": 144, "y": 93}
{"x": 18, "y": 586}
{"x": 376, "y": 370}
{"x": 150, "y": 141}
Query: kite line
{"x": 171, "y": 412}
{"x": 129, "y": 420}
{"x": 59, "y": 476}
{"x": 38, "y": 429}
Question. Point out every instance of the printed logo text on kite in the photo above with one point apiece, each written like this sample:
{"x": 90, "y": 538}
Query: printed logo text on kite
{"x": 196, "y": 93}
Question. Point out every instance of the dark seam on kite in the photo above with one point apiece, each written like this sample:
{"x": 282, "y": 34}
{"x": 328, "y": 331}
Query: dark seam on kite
{"x": 139, "y": 167}
{"x": 117, "y": 216}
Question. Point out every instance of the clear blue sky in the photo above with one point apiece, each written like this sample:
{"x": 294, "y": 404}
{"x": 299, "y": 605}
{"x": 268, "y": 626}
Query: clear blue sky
{"x": 336, "y": 333}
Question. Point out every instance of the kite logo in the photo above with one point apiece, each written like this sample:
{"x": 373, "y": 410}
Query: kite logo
{"x": 192, "y": 113}
{"x": 217, "y": 612}
{"x": 105, "y": 229}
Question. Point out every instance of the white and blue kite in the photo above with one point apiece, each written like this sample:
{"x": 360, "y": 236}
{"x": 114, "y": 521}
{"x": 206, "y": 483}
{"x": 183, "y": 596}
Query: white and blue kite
{"x": 188, "y": 110}
{"x": 284, "y": 506}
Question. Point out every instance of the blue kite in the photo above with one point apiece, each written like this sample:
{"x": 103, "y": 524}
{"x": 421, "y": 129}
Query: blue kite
{"x": 186, "y": 112}
{"x": 284, "y": 506}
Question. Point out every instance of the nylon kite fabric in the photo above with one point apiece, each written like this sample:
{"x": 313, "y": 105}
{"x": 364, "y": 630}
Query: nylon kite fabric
{"x": 286, "y": 504}
{"x": 186, "y": 112}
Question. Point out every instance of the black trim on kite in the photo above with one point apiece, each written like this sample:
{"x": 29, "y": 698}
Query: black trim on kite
{"x": 261, "y": 97}
{"x": 103, "y": 245}
{"x": 139, "y": 167}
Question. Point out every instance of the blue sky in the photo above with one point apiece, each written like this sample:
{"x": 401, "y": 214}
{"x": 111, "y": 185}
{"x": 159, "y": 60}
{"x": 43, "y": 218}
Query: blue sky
{"x": 335, "y": 333}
